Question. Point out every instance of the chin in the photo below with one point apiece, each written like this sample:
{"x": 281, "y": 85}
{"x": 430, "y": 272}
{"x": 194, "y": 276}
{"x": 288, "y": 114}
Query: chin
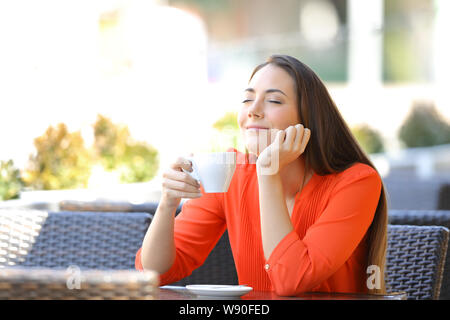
{"x": 255, "y": 148}
{"x": 255, "y": 143}
{"x": 251, "y": 143}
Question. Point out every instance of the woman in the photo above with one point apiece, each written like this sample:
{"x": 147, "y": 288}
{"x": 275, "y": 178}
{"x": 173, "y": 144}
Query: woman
{"x": 308, "y": 215}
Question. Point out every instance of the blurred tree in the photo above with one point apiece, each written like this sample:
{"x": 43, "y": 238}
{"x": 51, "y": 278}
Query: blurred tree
{"x": 61, "y": 161}
{"x": 10, "y": 181}
{"x": 139, "y": 163}
{"x": 110, "y": 141}
{"x": 424, "y": 126}
{"x": 369, "y": 139}
{"x": 228, "y": 128}
{"x": 228, "y": 121}
{"x": 116, "y": 150}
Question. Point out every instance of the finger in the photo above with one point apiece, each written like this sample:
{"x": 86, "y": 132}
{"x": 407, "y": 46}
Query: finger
{"x": 180, "y": 194}
{"x": 280, "y": 137}
{"x": 180, "y": 186}
{"x": 182, "y": 163}
{"x": 180, "y": 176}
{"x": 306, "y": 136}
{"x": 291, "y": 133}
{"x": 273, "y": 133}
{"x": 299, "y": 137}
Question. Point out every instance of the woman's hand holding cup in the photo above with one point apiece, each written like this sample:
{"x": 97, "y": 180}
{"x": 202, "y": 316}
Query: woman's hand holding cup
{"x": 178, "y": 184}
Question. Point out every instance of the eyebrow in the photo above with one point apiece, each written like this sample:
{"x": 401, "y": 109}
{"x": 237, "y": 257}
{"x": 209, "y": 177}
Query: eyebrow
{"x": 267, "y": 91}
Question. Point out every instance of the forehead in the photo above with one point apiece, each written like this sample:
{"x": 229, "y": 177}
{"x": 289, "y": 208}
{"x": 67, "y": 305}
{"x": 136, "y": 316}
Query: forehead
{"x": 273, "y": 77}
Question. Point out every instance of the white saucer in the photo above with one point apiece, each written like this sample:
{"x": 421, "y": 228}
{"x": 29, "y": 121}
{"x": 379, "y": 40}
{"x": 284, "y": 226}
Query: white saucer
{"x": 212, "y": 290}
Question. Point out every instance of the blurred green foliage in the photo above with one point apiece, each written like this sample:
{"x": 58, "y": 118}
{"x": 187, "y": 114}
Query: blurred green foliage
{"x": 115, "y": 149}
{"x": 228, "y": 121}
{"x": 10, "y": 181}
{"x": 369, "y": 139}
{"x": 229, "y": 131}
{"x": 139, "y": 163}
{"x": 61, "y": 161}
{"x": 110, "y": 141}
{"x": 424, "y": 126}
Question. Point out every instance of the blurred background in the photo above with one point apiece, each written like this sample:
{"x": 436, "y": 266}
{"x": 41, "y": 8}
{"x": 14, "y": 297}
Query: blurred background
{"x": 98, "y": 97}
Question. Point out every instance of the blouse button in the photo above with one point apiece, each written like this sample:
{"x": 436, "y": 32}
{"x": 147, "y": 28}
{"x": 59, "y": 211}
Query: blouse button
{"x": 267, "y": 266}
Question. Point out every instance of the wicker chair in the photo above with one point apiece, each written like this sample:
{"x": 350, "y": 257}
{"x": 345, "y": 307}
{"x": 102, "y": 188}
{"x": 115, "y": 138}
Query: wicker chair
{"x": 427, "y": 218}
{"x": 88, "y": 240}
{"x": 109, "y": 206}
{"x": 415, "y": 260}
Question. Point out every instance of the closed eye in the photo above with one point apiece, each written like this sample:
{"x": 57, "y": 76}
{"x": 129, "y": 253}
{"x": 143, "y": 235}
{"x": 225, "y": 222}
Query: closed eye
{"x": 246, "y": 100}
{"x": 275, "y": 101}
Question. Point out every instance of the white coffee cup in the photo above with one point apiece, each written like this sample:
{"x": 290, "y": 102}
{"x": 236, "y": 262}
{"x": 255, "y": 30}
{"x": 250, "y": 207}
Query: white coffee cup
{"x": 213, "y": 170}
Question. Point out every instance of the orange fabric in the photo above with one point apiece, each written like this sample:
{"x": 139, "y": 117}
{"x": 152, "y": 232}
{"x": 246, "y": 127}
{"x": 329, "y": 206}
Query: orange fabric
{"x": 326, "y": 252}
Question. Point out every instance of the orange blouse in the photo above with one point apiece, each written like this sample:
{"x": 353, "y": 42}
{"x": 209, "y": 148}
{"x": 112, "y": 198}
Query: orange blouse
{"x": 326, "y": 251}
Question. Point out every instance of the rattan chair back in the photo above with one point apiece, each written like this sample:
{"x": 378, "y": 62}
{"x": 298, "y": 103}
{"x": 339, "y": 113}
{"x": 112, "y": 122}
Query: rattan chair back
{"x": 427, "y": 218}
{"x": 415, "y": 260}
{"x": 88, "y": 240}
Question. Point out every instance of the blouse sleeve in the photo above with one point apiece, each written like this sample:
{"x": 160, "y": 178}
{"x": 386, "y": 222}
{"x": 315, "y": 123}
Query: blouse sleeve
{"x": 298, "y": 265}
{"x": 198, "y": 227}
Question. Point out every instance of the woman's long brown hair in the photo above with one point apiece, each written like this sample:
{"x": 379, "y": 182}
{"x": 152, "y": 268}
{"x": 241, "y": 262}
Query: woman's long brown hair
{"x": 332, "y": 147}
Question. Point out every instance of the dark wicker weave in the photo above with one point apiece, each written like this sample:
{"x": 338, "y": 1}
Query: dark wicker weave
{"x": 88, "y": 240}
{"x": 415, "y": 260}
{"x": 70, "y": 284}
{"x": 109, "y": 206}
{"x": 427, "y": 218}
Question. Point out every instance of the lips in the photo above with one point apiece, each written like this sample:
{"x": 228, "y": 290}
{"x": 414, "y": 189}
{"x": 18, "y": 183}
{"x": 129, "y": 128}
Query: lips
{"x": 257, "y": 128}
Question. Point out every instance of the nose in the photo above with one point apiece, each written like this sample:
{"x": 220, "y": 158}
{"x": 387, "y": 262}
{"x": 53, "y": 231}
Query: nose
{"x": 256, "y": 110}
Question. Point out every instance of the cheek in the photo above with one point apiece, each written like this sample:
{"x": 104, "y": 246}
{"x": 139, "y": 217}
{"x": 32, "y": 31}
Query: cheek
{"x": 281, "y": 119}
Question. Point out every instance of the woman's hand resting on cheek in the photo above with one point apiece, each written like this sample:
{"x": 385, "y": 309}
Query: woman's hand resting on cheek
{"x": 287, "y": 146}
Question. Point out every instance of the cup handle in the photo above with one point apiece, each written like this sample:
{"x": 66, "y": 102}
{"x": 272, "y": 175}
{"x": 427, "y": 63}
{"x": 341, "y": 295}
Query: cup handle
{"x": 194, "y": 173}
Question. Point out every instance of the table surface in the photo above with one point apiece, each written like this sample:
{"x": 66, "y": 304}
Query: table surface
{"x": 31, "y": 283}
{"x": 181, "y": 293}
{"x": 47, "y": 283}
